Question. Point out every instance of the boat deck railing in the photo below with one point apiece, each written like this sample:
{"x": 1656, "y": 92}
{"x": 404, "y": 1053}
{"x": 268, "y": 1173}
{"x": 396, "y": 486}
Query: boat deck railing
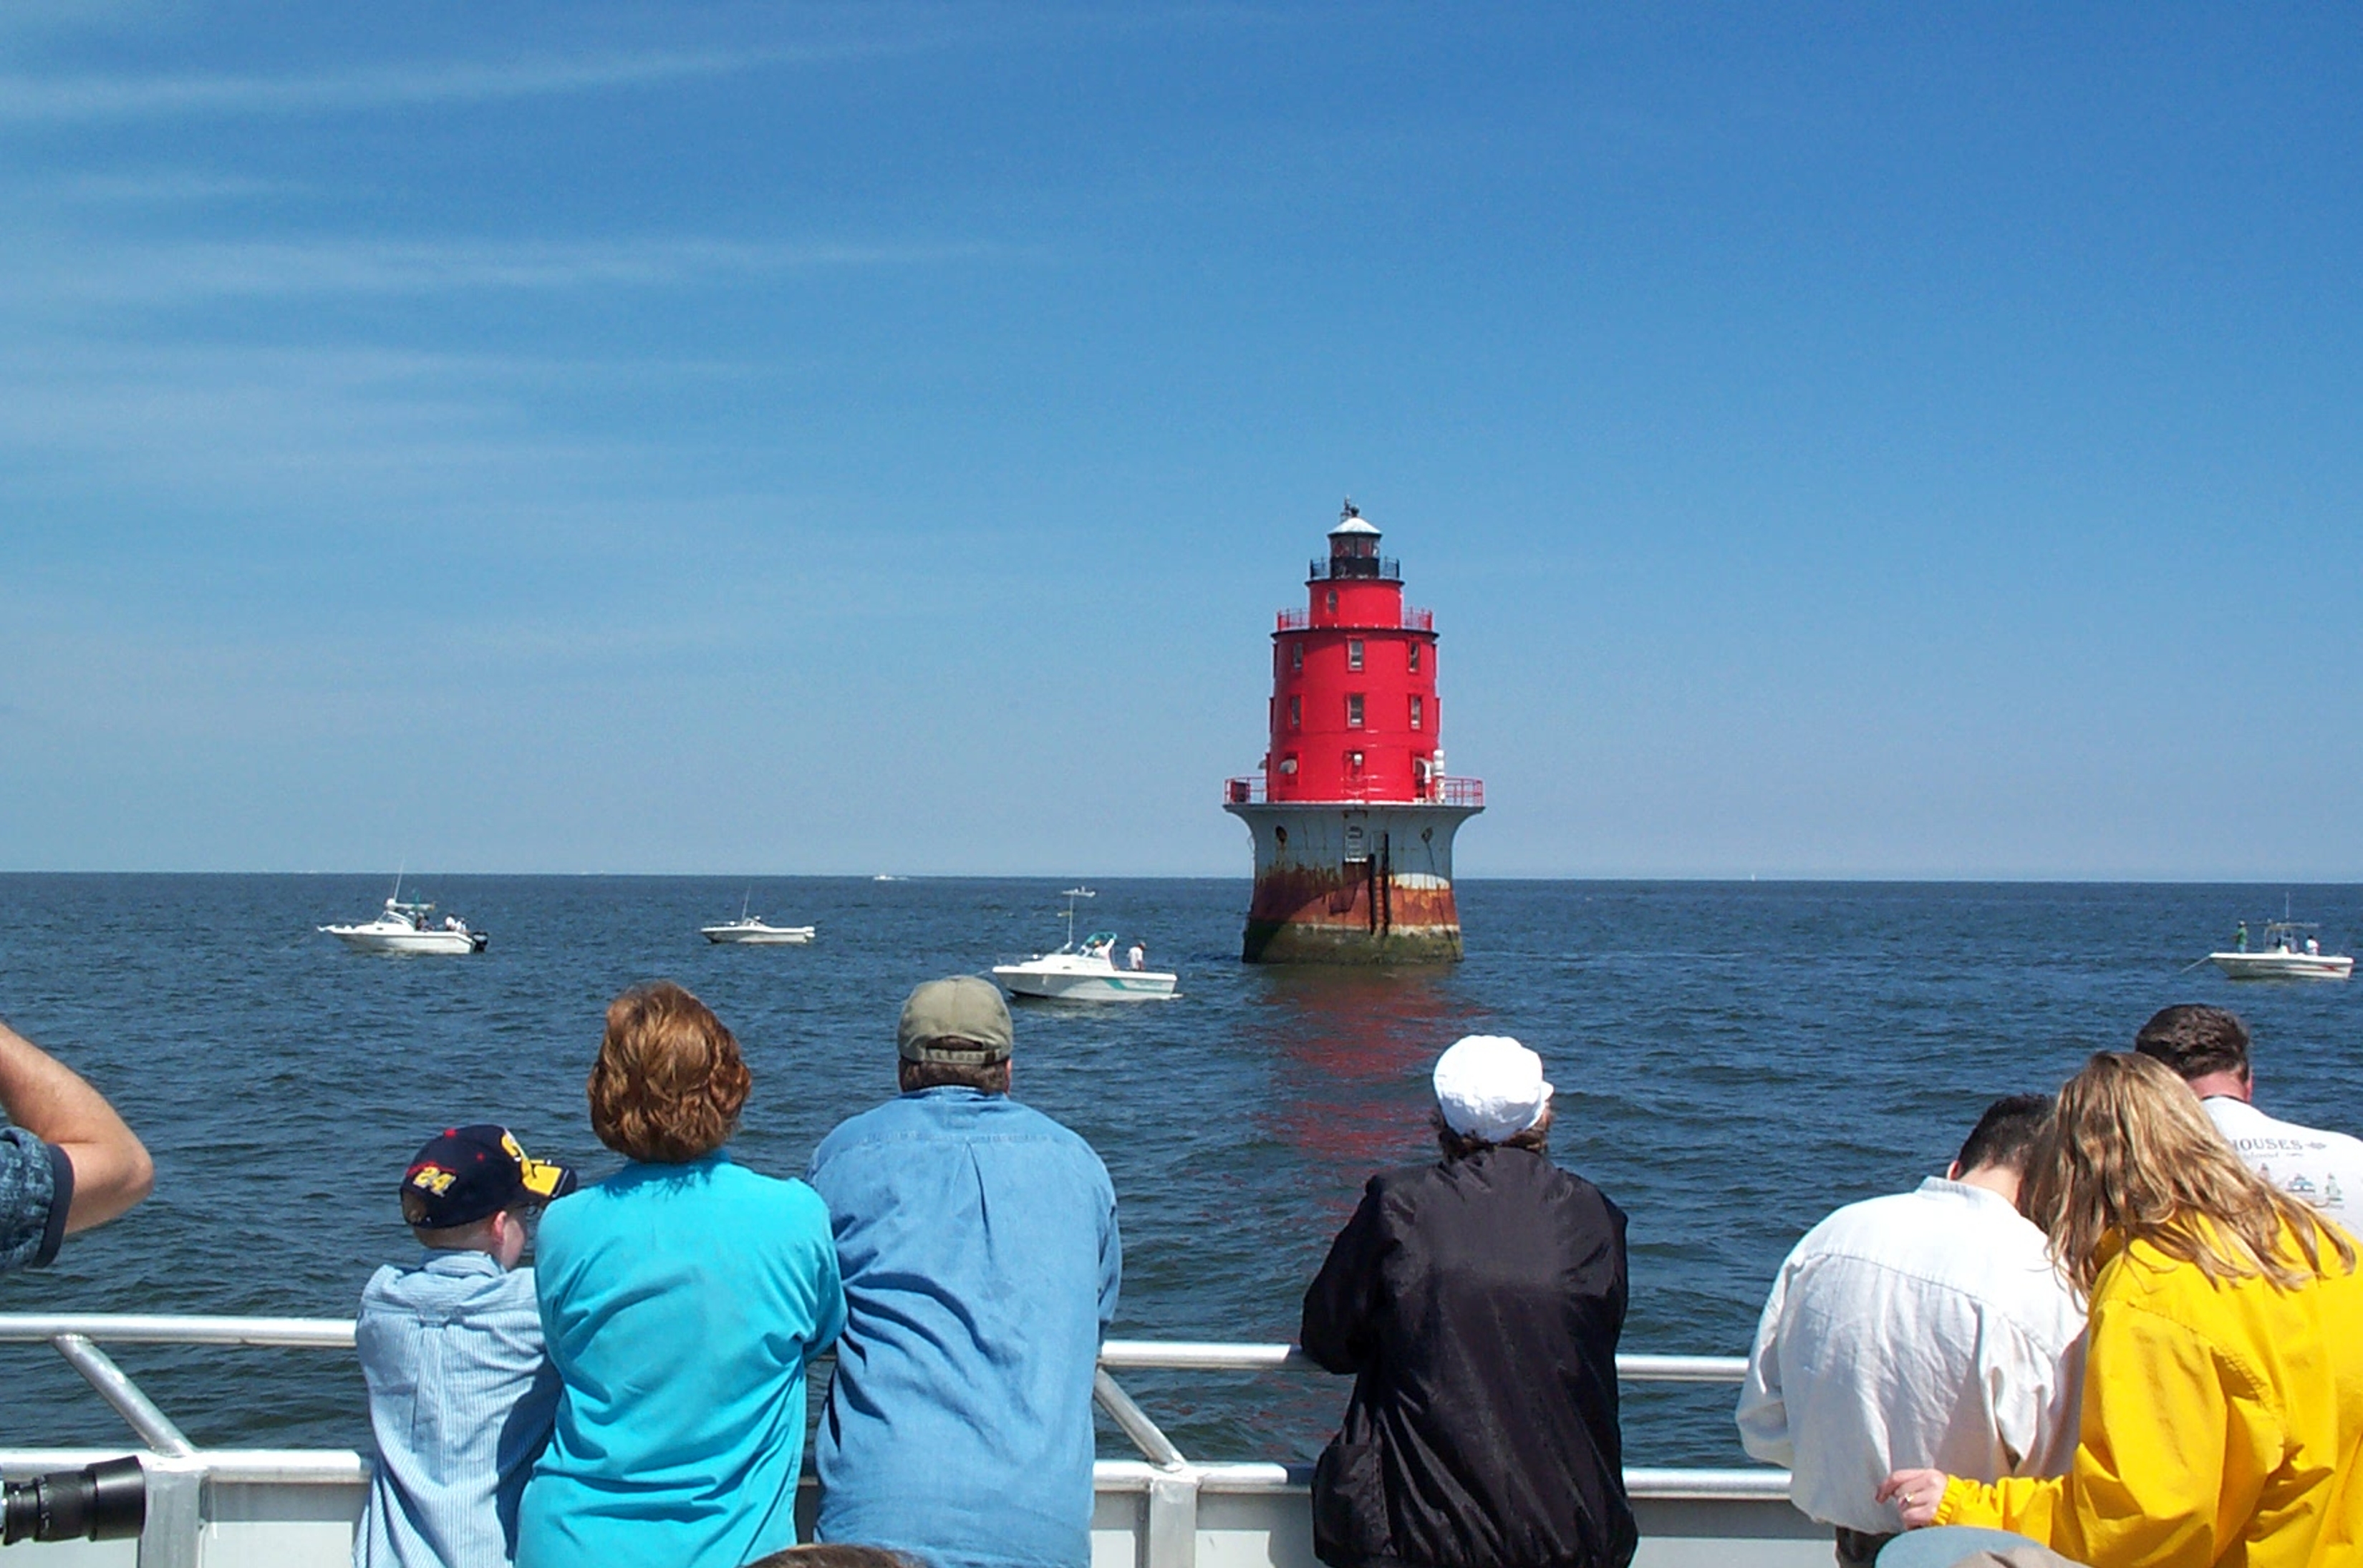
{"x": 1172, "y": 1480}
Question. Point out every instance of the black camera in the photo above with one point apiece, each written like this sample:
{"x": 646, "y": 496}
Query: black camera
{"x": 98, "y": 1502}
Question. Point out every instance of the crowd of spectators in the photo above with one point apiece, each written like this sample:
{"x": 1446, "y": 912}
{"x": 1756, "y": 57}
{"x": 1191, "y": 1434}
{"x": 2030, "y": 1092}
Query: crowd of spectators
{"x": 2123, "y": 1329}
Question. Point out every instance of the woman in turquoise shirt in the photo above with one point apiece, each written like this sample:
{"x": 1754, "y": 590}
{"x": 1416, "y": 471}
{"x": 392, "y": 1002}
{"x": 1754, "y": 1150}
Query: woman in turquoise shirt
{"x": 680, "y": 1298}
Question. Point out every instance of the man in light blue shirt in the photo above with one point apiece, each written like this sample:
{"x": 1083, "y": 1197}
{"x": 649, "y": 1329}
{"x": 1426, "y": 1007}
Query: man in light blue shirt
{"x": 977, "y": 1242}
{"x": 462, "y": 1398}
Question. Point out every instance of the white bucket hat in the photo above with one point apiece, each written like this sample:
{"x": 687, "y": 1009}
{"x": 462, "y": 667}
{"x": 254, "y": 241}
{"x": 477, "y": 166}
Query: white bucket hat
{"x": 1490, "y": 1087}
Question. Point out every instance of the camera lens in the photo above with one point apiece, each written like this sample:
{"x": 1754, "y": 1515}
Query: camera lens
{"x": 100, "y": 1502}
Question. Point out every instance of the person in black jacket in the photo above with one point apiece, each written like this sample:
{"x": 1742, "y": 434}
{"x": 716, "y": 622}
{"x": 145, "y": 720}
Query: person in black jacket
{"x": 1478, "y": 1302}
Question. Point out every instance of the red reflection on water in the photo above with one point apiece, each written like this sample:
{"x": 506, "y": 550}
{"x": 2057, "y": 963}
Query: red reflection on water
{"x": 1352, "y": 1050}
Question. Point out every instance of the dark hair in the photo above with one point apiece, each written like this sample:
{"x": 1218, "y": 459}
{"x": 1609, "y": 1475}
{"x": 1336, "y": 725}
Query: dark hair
{"x": 670, "y": 1082}
{"x": 1534, "y": 1139}
{"x": 2006, "y": 1134}
{"x": 985, "y": 1077}
{"x": 2195, "y": 1041}
{"x": 834, "y": 1554}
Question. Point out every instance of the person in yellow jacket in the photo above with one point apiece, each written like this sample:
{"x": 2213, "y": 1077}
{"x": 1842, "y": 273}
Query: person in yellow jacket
{"x": 2223, "y": 1407}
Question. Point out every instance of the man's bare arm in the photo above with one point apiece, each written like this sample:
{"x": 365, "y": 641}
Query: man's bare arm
{"x": 112, "y": 1170}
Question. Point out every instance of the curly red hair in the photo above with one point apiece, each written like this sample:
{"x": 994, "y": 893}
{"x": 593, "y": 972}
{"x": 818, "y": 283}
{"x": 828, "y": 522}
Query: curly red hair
{"x": 669, "y": 1081}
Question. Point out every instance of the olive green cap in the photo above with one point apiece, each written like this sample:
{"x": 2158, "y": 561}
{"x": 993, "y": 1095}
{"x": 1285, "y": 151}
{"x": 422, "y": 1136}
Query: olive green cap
{"x": 961, "y": 1020}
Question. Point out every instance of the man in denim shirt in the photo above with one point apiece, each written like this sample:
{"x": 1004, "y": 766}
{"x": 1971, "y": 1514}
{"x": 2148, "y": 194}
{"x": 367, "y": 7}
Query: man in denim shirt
{"x": 67, "y": 1162}
{"x": 977, "y": 1242}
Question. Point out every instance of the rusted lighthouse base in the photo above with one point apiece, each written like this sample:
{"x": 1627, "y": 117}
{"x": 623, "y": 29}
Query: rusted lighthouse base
{"x": 1351, "y": 882}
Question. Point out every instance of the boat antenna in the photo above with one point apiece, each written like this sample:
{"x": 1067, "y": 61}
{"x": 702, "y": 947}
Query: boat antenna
{"x": 1072, "y": 894}
{"x": 745, "y": 903}
{"x": 397, "y": 881}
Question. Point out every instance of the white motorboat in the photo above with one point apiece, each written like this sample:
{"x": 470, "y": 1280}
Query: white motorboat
{"x": 749, "y": 931}
{"x": 1088, "y": 973}
{"x": 2290, "y": 952}
{"x": 409, "y": 927}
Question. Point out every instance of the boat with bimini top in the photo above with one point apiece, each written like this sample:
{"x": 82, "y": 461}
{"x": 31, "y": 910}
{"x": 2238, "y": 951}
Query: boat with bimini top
{"x": 749, "y": 931}
{"x": 2290, "y": 951}
{"x": 1087, "y": 973}
{"x": 410, "y": 927}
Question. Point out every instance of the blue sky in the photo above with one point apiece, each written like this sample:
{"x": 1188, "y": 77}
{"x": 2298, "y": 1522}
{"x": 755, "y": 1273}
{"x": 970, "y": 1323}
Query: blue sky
{"x": 1835, "y": 440}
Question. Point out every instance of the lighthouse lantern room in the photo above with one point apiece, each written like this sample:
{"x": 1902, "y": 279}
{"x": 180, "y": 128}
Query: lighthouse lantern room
{"x": 1353, "y": 814}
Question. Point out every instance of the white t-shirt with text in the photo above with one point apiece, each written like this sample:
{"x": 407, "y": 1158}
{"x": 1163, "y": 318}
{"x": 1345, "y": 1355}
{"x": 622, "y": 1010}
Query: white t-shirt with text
{"x": 2324, "y": 1168}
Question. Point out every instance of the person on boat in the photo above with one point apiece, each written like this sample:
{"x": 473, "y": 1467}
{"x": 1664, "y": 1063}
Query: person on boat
{"x": 981, "y": 1257}
{"x": 2221, "y": 1417}
{"x": 2313, "y": 947}
{"x": 1138, "y": 957}
{"x": 66, "y": 1161}
{"x": 2208, "y": 1048}
{"x": 2240, "y": 937}
{"x": 1477, "y": 1301}
{"x": 460, "y": 1395}
{"x": 1925, "y": 1327}
{"x": 680, "y": 1298}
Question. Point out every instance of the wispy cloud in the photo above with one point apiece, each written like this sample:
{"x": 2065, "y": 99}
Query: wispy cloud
{"x": 94, "y": 97}
{"x": 171, "y": 186}
{"x": 175, "y": 272}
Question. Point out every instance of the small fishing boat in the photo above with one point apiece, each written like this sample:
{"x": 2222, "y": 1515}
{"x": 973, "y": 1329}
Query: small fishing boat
{"x": 749, "y": 931}
{"x": 2290, "y": 952}
{"x": 1088, "y": 973}
{"x": 403, "y": 927}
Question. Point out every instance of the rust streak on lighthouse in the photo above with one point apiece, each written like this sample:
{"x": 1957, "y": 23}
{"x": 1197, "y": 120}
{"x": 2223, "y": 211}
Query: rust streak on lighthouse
{"x": 1353, "y": 814}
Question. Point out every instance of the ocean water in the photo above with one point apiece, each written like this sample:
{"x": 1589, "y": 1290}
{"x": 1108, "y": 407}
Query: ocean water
{"x": 1733, "y": 1061}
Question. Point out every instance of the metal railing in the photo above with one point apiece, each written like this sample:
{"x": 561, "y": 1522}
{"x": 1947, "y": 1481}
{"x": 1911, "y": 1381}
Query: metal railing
{"x": 1169, "y": 1481}
{"x": 77, "y": 1337}
{"x": 1347, "y": 568}
{"x": 1253, "y": 789}
{"x": 1411, "y": 620}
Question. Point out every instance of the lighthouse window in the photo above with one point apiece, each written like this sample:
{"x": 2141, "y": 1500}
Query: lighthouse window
{"x": 1416, "y": 713}
{"x": 1354, "y": 764}
{"x": 1354, "y": 711}
{"x": 1415, "y": 658}
{"x": 1332, "y": 602}
{"x": 1297, "y": 657}
{"x": 1353, "y": 653}
{"x": 1296, "y": 712}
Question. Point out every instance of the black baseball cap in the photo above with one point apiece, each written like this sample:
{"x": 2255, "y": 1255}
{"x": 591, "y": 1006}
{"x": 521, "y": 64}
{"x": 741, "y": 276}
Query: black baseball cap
{"x": 466, "y": 1174}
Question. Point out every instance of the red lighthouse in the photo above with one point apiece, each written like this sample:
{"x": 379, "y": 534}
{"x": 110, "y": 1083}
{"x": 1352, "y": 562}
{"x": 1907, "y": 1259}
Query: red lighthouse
{"x": 1353, "y": 815}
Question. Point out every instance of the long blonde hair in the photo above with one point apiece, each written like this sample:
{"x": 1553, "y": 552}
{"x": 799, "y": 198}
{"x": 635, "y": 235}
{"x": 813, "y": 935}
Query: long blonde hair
{"x": 2132, "y": 1154}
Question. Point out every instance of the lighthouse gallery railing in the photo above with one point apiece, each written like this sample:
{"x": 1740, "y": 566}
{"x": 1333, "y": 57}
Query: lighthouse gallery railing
{"x": 1302, "y": 619}
{"x": 1250, "y": 789}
